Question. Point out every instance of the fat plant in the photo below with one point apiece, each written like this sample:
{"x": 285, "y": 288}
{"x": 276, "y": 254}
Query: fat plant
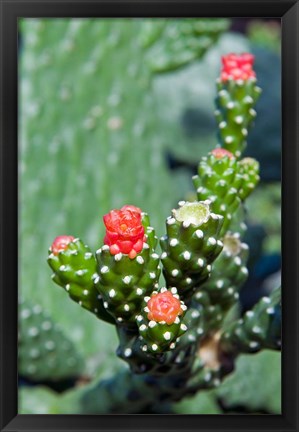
{"x": 169, "y": 298}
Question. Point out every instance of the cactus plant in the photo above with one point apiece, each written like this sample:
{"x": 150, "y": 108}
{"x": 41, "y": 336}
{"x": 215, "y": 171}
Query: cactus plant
{"x": 175, "y": 335}
{"x": 178, "y": 333}
{"x": 99, "y": 122}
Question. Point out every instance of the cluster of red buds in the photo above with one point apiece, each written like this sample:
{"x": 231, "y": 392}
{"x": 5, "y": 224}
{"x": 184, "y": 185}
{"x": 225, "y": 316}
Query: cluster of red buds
{"x": 124, "y": 231}
{"x": 237, "y": 67}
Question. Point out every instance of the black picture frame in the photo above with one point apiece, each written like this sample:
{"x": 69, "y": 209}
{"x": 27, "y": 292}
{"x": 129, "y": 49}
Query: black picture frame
{"x": 288, "y": 12}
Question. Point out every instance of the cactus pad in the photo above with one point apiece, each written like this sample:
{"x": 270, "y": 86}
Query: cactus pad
{"x": 45, "y": 353}
{"x": 174, "y": 43}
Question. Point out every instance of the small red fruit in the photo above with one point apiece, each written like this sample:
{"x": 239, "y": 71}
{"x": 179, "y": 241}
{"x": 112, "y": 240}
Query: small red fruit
{"x": 164, "y": 307}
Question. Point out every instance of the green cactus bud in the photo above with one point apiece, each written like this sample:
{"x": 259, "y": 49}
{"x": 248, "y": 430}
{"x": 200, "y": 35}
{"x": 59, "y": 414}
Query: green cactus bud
{"x": 45, "y": 353}
{"x": 160, "y": 323}
{"x": 248, "y": 168}
{"x": 219, "y": 181}
{"x": 191, "y": 245}
{"x": 123, "y": 282}
{"x": 75, "y": 269}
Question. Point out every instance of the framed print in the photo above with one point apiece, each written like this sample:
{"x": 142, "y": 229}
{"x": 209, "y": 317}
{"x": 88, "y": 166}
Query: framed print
{"x": 149, "y": 215}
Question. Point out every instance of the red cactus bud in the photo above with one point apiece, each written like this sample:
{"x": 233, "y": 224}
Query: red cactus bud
{"x": 124, "y": 231}
{"x": 164, "y": 307}
{"x": 221, "y": 152}
{"x": 237, "y": 67}
{"x": 61, "y": 243}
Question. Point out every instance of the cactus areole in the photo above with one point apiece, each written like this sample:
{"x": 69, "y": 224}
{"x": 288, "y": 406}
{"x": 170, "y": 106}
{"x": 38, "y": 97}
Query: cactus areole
{"x": 164, "y": 307}
{"x": 237, "y": 67}
{"x": 124, "y": 231}
{"x": 61, "y": 243}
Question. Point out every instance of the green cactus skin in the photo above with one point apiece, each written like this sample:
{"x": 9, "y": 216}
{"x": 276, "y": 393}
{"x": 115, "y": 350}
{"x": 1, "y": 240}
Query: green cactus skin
{"x": 175, "y": 43}
{"x": 228, "y": 273}
{"x": 75, "y": 269}
{"x": 123, "y": 282}
{"x": 260, "y": 328}
{"x": 159, "y": 337}
{"x": 45, "y": 353}
{"x": 190, "y": 247}
{"x": 249, "y": 170}
{"x": 219, "y": 181}
{"x": 235, "y": 112}
{"x": 152, "y": 239}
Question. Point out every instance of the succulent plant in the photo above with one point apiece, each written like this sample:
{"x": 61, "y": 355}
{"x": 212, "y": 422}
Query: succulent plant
{"x": 173, "y": 334}
{"x": 259, "y": 328}
{"x": 177, "y": 336}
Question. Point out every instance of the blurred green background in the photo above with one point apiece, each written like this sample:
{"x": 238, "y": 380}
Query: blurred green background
{"x": 119, "y": 111}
